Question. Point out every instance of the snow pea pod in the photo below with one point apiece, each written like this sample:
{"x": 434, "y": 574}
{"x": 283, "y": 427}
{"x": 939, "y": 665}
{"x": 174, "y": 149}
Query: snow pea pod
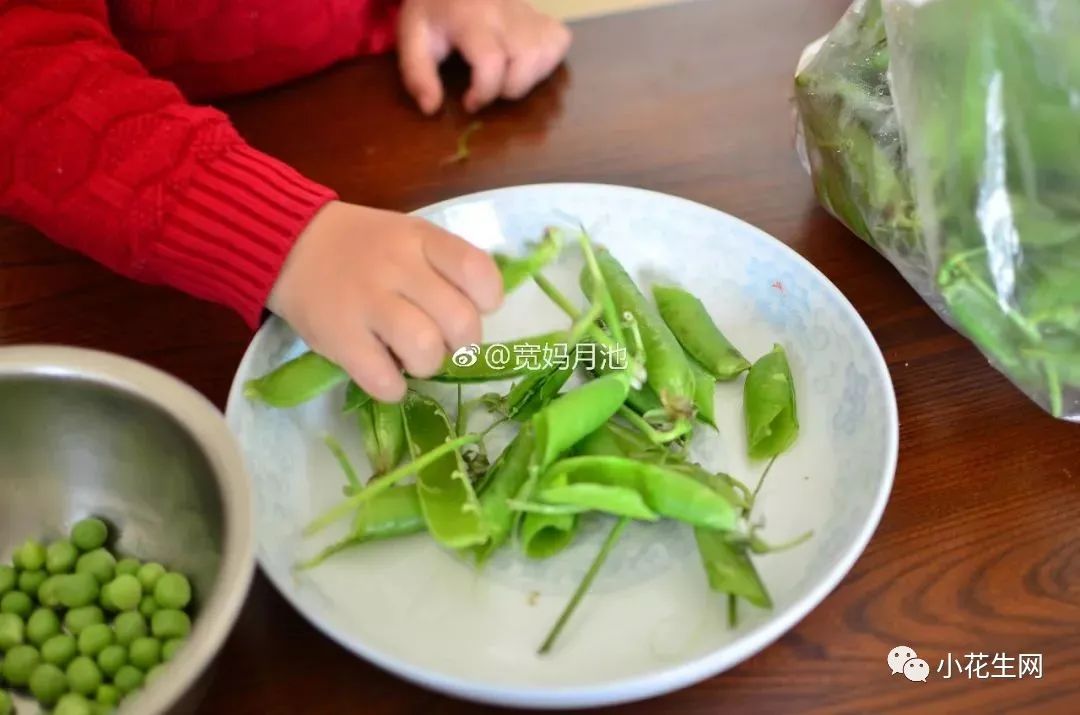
{"x": 574, "y": 415}
{"x": 489, "y": 362}
{"x": 544, "y": 535}
{"x": 614, "y": 440}
{"x": 535, "y": 391}
{"x": 355, "y": 397}
{"x": 507, "y": 476}
{"x": 617, "y": 500}
{"x": 729, "y": 569}
{"x": 667, "y": 492}
{"x": 394, "y": 512}
{"x": 383, "y": 433}
{"x": 704, "y": 393}
{"x": 668, "y": 372}
{"x": 451, "y": 509}
{"x": 303, "y": 378}
{"x": 695, "y": 330}
{"x": 517, "y": 270}
{"x": 772, "y": 421}
{"x": 728, "y": 487}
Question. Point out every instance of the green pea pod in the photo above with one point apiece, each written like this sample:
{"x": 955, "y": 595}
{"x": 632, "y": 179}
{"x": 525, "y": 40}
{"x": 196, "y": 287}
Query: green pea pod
{"x": 451, "y": 509}
{"x": 614, "y": 440}
{"x": 695, "y": 330}
{"x": 394, "y": 512}
{"x": 303, "y": 378}
{"x": 507, "y": 476}
{"x": 772, "y": 422}
{"x": 729, "y": 569}
{"x": 574, "y": 415}
{"x": 517, "y": 270}
{"x": 640, "y": 400}
{"x": 545, "y": 535}
{"x": 704, "y": 394}
{"x": 383, "y": 434}
{"x": 355, "y": 397}
{"x": 536, "y": 390}
{"x": 668, "y": 492}
{"x": 666, "y": 365}
{"x": 617, "y": 500}
{"x": 489, "y": 362}
{"x": 728, "y": 487}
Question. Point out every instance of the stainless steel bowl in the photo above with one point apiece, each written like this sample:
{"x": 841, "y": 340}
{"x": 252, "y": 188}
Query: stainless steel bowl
{"x": 84, "y": 432}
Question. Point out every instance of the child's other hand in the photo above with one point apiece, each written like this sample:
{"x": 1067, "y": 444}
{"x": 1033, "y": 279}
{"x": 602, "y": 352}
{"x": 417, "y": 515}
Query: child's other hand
{"x": 509, "y": 45}
{"x": 375, "y": 291}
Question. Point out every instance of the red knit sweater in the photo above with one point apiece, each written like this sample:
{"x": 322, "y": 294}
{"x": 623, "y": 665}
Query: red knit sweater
{"x": 101, "y": 150}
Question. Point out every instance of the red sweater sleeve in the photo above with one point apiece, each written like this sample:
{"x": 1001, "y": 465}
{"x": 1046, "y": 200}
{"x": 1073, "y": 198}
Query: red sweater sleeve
{"x": 111, "y": 162}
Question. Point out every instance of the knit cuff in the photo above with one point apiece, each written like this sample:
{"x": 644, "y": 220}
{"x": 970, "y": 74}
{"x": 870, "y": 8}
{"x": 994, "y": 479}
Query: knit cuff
{"x": 226, "y": 237}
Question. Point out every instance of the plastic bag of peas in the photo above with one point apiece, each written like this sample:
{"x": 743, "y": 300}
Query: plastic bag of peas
{"x": 944, "y": 133}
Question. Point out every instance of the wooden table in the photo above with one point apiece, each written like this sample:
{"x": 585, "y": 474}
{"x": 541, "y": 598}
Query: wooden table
{"x": 979, "y": 549}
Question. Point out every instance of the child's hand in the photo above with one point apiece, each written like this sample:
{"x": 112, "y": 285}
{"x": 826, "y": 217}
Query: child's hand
{"x": 509, "y": 45}
{"x": 375, "y": 291}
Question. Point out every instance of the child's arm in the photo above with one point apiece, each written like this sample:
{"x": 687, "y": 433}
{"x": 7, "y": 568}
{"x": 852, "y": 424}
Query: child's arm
{"x": 115, "y": 164}
{"x": 109, "y": 161}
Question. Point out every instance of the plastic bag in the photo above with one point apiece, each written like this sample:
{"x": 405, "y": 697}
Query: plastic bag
{"x": 946, "y": 134}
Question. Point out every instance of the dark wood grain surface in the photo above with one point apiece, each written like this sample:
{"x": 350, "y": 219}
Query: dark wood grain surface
{"x": 979, "y": 549}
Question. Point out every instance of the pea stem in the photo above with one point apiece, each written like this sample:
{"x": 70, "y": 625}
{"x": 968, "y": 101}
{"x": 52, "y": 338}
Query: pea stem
{"x": 388, "y": 480}
{"x": 343, "y": 461}
{"x": 586, "y": 582}
{"x": 461, "y": 418}
{"x": 732, "y": 611}
{"x": 655, "y": 436}
{"x": 557, "y": 297}
{"x": 758, "y": 546}
{"x": 611, "y": 315}
{"x": 757, "y": 488}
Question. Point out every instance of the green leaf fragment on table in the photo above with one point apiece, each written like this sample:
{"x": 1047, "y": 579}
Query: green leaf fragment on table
{"x": 463, "y": 150}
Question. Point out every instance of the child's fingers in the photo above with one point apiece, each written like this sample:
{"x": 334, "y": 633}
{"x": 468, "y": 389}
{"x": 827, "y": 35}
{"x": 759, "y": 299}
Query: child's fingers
{"x": 419, "y": 65}
{"x": 411, "y": 334}
{"x": 371, "y": 366}
{"x": 455, "y": 314}
{"x": 523, "y": 73}
{"x": 466, "y": 267}
{"x": 488, "y": 60}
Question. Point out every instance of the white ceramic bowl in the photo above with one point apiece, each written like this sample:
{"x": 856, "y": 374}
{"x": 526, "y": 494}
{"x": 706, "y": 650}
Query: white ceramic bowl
{"x": 650, "y": 624}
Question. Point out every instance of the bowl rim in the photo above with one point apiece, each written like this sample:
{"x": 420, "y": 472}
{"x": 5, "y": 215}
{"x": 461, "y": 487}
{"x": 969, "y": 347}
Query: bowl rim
{"x": 660, "y": 681}
{"x": 206, "y": 425}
